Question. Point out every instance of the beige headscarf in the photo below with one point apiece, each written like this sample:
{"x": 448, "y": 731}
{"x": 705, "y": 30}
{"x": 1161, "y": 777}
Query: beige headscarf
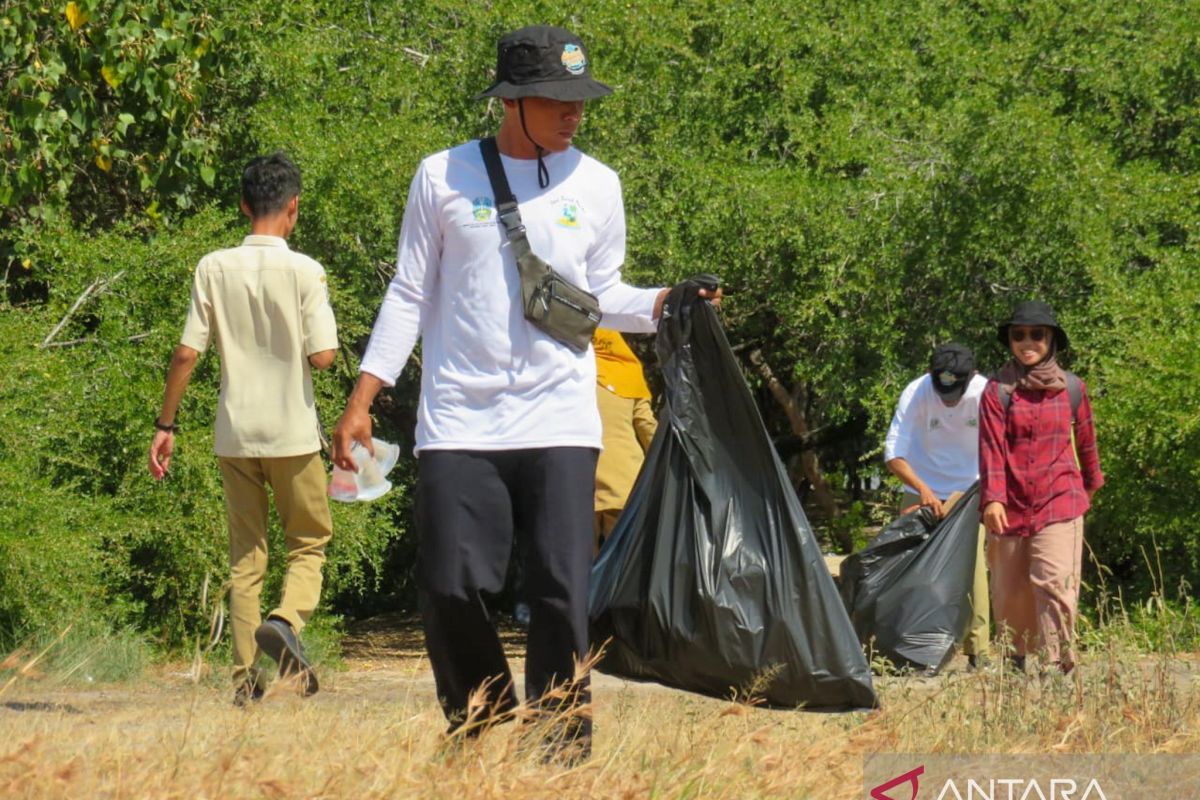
{"x": 1044, "y": 376}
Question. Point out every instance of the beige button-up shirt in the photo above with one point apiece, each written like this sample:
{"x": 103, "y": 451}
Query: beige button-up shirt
{"x": 268, "y": 309}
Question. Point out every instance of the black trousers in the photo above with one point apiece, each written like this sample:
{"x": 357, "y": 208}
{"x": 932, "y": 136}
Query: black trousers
{"x": 468, "y": 505}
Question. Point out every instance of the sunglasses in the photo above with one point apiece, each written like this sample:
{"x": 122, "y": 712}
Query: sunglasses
{"x": 1034, "y": 334}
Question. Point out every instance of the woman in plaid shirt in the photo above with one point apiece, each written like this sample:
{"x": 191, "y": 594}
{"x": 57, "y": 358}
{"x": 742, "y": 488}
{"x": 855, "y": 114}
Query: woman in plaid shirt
{"x": 1035, "y": 487}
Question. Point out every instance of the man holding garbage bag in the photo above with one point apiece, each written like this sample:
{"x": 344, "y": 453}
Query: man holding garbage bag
{"x": 510, "y": 250}
{"x": 932, "y": 446}
{"x": 267, "y": 308}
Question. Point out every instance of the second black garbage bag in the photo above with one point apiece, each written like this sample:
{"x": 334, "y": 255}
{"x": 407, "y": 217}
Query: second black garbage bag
{"x": 712, "y": 580}
{"x": 909, "y": 591}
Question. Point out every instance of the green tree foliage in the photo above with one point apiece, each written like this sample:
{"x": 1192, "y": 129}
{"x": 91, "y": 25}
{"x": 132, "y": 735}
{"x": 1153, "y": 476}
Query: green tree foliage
{"x": 868, "y": 178}
{"x": 106, "y": 107}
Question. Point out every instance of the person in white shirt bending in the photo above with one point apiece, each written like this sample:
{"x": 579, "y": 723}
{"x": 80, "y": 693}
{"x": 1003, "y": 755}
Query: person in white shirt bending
{"x": 932, "y": 446}
{"x": 507, "y": 430}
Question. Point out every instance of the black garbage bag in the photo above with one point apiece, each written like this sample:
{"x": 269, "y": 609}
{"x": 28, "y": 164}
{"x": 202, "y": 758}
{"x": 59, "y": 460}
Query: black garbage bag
{"x": 909, "y": 591}
{"x": 712, "y": 581}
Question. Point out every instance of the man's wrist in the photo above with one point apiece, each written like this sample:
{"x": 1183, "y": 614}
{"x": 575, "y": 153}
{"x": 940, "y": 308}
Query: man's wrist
{"x": 165, "y": 427}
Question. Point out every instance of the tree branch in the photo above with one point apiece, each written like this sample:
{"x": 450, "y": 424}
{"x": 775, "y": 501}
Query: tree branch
{"x": 810, "y": 468}
{"x": 137, "y": 337}
{"x": 98, "y": 287}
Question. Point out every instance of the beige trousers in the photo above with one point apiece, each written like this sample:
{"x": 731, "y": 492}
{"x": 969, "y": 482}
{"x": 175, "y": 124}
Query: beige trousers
{"x": 1035, "y": 588}
{"x": 298, "y": 483}
{"x": 628, "y": 428}
{"x": 975, "y": 638}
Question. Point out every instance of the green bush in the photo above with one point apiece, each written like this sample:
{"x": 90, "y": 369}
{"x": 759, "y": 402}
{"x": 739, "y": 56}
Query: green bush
{"x": 76, "y": 430}
{"x": 107, "y": 111}
{"x": 867, "y": 179}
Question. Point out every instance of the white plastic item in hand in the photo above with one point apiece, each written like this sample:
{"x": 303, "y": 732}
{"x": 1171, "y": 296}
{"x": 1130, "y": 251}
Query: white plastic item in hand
{"x": 386, "y": 455}
{"x": 370, "y": 482}
{"x": 342, "y": 485}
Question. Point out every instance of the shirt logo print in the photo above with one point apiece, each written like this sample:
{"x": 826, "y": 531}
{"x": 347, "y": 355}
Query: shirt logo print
{"x": 570, "y": 215}
{"x": 482, "y": 209}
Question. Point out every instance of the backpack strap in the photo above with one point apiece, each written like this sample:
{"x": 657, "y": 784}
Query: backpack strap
{"x": 1005, "y": 395}
{"x": 1074, "y": 394}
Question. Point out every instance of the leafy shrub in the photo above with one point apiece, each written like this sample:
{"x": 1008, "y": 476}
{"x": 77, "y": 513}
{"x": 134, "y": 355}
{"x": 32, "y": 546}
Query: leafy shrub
{"x": 107, "y": 105}
{"x": 868, "y": 181}
{"x": 76, "y": 428}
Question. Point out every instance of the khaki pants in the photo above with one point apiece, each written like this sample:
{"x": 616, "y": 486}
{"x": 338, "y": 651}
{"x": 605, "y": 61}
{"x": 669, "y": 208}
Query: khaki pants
{"x": 975, "y": 638}
{"x": 628, "y": 428}
{"x": 298, "y": 483}
{"x": 1035, "y": 588}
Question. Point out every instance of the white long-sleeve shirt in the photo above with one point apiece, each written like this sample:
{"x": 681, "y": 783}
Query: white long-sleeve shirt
{"x": 489, "y": 379}
{"x": 940, "y": 442}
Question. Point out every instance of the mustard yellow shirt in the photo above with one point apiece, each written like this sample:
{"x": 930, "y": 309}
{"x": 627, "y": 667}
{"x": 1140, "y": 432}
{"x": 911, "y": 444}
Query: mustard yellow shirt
{"x": 617, "y": 368}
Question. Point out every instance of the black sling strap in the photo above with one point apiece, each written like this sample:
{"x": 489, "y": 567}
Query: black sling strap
{"x": 551, "y": 303}
{"x": 506, "y": 203}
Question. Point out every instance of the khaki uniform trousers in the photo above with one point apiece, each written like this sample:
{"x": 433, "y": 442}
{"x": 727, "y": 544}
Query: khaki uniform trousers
{"x": 298, "y": 483}
{"x": 1035, "y": 588}
{"x": 975, "y": 638}
{"x": 628, "y": 428}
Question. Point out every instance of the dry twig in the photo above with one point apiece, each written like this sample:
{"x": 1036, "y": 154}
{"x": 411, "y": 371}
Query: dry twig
{"x": 96, "y": 288}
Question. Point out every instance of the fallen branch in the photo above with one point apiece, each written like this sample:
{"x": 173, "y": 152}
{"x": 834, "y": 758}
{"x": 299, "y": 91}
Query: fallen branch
{"x": 97, "y": 287}
{"x": 421, "y": 58}
{"x": 137, "y": 337}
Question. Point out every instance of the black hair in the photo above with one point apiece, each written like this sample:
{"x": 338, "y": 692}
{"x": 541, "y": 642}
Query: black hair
{"x": 269, "y": 182}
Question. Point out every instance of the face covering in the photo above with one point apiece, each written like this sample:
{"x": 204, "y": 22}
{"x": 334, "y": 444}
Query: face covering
{"x": 1044, "y": 376}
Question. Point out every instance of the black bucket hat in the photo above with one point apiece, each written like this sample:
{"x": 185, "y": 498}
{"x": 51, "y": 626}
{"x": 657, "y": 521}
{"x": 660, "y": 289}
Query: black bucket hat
{"x": 951, "y": 367}
{"x": 543, "y": 61}
{"x": 1034, "y": 312}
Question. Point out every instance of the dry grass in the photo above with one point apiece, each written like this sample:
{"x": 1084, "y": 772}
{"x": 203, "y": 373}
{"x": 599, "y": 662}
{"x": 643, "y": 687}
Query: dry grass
{"x": 374, "y": 731}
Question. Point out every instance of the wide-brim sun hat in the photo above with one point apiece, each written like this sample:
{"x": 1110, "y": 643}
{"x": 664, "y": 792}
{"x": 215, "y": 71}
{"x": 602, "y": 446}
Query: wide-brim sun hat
{"x": 1028, "y": 313}
{"x": 543, "y": 61}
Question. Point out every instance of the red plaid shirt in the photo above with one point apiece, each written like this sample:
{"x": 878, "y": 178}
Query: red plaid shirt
{"x": 1026, "y": 462}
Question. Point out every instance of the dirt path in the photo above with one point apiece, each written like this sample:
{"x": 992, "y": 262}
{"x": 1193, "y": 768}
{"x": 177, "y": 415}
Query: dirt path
{"x": 384, "y": 662}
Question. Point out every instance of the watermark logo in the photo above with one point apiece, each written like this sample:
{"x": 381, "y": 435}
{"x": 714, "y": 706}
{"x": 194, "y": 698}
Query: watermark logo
{"x": 1021, "y": 789}
{"x": 907, "y": 786}
{"x": 910, "y": 779}
{"x": 898, "y": 776}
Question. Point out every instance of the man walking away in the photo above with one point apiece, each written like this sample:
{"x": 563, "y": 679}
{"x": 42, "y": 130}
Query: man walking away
{"x": 267, "y": 308}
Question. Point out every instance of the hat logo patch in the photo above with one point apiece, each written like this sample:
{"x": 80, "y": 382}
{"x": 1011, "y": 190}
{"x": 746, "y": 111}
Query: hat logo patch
{"x": 482, "y": 208}
{"x": 573, "y": 59}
